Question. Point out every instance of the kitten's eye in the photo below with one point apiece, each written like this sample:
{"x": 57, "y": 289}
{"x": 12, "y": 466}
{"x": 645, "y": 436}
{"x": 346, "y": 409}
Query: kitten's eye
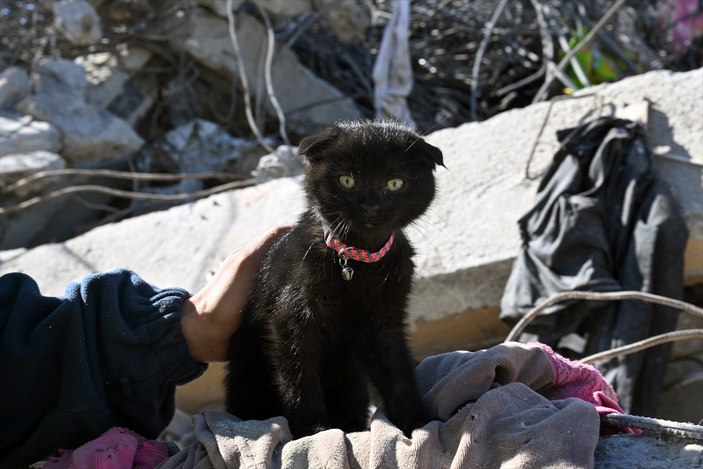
{"x": 395, "y": 184}
{"x": 347, "y": 182}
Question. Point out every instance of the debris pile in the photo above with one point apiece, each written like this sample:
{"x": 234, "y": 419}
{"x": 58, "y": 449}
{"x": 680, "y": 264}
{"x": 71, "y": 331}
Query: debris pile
{"x": 475, "y": 59}
{"x": 116, "y": 108}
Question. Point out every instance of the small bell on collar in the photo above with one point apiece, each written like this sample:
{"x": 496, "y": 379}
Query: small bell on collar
{"x": 347, "y": 273}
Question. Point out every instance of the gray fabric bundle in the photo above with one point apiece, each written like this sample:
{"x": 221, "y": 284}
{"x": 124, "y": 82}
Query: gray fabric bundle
{"x": 487, "y": 412}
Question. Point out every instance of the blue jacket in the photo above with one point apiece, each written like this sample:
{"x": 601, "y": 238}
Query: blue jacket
{"x": 109, "y": 353}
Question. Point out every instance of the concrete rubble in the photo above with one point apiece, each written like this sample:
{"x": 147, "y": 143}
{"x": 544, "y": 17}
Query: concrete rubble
{"x": 22, "y": 134}
{"x": 17, "y": 166}
{"x": 201, "y": 146}
{"x": 14, "y": 86}
{"x": 308, "y": 102}
{"x": 107, "y": 73}
{"x": 346, "y": 18}
{"x": 98, "y": 111}
{"x": 78, "y": 21}
{"x": 90, "y": 133}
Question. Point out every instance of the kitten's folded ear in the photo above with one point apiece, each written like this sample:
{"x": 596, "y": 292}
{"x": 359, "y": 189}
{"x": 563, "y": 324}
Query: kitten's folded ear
{"x": 433, "y": 153}
{"x": 316, "y": 144}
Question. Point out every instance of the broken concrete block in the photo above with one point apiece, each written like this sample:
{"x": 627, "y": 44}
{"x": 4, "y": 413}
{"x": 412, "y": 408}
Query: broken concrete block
{"x": 17, "y": 166}
{"x": 22, "y": 134}
{"x": 107, "y": 73}
{"x": 89, "y": 133}
{"x": 14, "y": 86}
{"x": 77, "y": 21}
{"x": 307, "y": 101}
{"x": 275, "y": 7}
{"x": 60, "y": 76}
{"x": 347, "y": 20}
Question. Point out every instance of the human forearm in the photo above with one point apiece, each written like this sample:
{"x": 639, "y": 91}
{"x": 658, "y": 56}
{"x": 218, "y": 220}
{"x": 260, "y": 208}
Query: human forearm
{"x": 211, "y": 316}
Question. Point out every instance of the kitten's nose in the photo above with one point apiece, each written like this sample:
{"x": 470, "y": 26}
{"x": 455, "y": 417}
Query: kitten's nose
{"x": 371, "y": 203}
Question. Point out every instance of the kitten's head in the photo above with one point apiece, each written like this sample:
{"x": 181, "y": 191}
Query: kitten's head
{"x": 370, "y": 176}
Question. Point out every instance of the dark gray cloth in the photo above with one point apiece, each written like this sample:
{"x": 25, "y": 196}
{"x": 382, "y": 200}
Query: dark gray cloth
{"x": 602, "y": 222}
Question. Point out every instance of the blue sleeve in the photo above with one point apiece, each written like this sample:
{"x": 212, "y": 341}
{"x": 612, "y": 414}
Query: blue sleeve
{"x": 109, "y": 353}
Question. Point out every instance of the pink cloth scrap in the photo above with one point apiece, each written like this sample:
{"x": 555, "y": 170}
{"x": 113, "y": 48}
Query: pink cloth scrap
{"x": 583, "y": 381}
{"x": 683, "y": 20}
{"x": 117, "y": 448}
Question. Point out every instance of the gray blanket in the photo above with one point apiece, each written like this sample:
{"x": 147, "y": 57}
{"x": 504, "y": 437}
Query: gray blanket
{"x": 489, "y": 410}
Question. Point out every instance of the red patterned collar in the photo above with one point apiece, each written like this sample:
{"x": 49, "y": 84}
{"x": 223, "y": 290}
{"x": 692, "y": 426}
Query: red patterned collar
{"x": 350, "y": 252}
{"x": 344, "y": 252}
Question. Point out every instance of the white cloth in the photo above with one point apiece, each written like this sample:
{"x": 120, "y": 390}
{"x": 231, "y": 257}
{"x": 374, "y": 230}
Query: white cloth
{"x": 392, "y": 72}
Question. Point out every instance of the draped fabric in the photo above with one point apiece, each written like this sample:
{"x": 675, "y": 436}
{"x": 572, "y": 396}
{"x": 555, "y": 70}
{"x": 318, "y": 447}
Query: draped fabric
{"x": 602, "y": 221}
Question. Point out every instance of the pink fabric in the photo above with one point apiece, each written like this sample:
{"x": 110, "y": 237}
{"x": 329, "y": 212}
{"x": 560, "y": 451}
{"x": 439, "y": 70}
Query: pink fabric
{"x": 574, "y": 379}
{"x": 117, "y": 448}
{"x": 684, "y": 20}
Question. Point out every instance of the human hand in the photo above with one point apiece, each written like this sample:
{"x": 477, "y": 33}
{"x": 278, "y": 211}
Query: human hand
{"x": 212, "y": 315}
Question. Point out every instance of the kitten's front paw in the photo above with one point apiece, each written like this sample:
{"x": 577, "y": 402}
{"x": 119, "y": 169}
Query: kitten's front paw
{"x": 300, "y": 431}
{"x": 407, "y": 423}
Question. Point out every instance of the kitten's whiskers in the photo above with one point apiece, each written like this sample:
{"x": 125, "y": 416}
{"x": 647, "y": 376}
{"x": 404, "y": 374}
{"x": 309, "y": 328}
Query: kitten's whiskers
{"x": 426, "y": 230}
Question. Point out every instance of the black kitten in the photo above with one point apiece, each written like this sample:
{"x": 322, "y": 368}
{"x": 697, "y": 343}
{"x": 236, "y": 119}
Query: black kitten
{"x": 329, "y": 305}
